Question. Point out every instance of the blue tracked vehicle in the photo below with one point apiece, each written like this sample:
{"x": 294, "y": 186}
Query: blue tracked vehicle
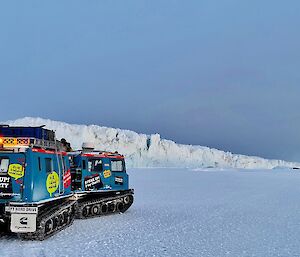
{"x": 43, "y": 188}
{"x": 100, "y": 182}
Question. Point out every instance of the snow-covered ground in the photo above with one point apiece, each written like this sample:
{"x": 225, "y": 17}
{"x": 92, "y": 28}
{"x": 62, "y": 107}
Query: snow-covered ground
{"x": 150, "y": 150}
{"x": 182, "y": 212}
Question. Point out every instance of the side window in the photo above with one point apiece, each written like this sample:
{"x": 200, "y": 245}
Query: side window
{"x": 98, "y": 165}
{"x": 48, "y": 165}
{"x": 4, "y": 163}
{"x": 67, "y": 163}
{"x": 83, "y": 164}
{"x": 64, "y": 160}
{"x": 39, "y": 163}
{"x": 95, "y": 165}
{"x": 117, "y": 165}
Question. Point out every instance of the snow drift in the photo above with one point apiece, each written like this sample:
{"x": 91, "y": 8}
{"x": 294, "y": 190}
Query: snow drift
{"x": 150, "y": 150}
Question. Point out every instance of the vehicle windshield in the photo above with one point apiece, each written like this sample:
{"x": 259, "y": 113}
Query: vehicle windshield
{"x": 117, "y": 165}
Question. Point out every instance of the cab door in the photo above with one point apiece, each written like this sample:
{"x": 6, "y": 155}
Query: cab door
{"x": 119, "y": 175}
{"x": 92, "y": 179}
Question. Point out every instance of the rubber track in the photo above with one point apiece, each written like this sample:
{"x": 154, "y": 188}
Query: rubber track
{"x": 90, "y": 203}
{"x": 39, "y": 234}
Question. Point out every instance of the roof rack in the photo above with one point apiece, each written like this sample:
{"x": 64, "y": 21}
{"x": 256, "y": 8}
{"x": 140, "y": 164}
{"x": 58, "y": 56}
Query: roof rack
{"x": 16, "y": 137}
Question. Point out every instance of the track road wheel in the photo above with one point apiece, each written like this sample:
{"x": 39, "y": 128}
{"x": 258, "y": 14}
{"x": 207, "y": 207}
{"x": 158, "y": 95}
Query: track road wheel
{"x": 95, "y": 210}
{"x": 61, "y": 220}
{"x": 49, "y": 226}
{"x": 126, "y": 199}
{"x": 104, "y": 208}
{"x": 66, "y": 217}
{"x": 112, "y": 207}
{"x": 120, "y": 206}
{"x": 85, "y": 211}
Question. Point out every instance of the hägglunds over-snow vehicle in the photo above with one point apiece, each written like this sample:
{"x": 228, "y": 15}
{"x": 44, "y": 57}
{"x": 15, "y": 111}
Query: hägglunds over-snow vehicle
{"x": 100, "y": 182}
{"x": 43, "y": 187}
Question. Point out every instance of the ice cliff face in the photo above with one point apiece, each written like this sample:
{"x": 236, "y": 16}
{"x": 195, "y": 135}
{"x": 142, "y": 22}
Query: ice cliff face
{"x": 149, "y": 150}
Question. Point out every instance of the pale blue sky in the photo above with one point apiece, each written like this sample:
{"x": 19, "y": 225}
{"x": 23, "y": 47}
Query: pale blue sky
{"x": 219, "y": 73}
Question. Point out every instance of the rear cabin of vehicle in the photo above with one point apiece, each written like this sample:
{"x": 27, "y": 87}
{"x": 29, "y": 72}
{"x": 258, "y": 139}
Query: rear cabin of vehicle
{"x": 35, "y": 180}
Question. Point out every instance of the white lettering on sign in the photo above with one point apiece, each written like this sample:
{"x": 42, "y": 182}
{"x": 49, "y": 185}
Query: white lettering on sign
{"x": 17, "y": 209}
{"x": 4, "y": 182}
{"x": 4, "y": 185}
{"x": 4, "y": 179}
{"x": 119, "y": 179}
{"x": 92, "y": 181}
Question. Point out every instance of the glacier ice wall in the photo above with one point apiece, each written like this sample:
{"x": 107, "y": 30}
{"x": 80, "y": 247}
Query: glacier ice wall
{"x": 150, "y": 150}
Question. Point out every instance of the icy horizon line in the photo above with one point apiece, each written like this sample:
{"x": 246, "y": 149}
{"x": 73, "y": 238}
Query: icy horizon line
{"x": 150, "y": 150}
